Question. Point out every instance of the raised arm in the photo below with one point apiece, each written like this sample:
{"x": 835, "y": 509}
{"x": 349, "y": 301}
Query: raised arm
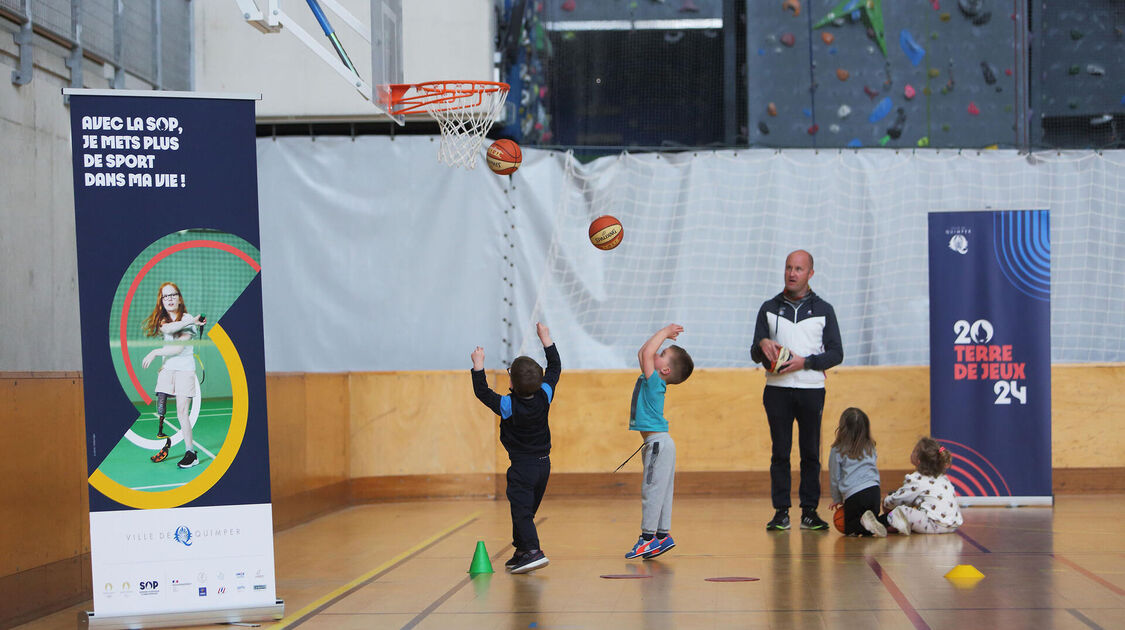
{"x": 554, "y": 365}
{"x": 646, "y": 356}
{"x": 185, "y": 321}
{"x": 483, "y": 392}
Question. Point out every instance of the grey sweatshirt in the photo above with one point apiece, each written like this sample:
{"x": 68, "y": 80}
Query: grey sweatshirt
{"x": 848, "y": 476}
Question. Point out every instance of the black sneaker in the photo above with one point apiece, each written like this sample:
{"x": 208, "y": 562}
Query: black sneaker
{"x": 514, "y": 561}
{"x": 780, "y": 520}
{"x": 530, "y": 561}
{"x": 809, "y": 520}
{"x": 189, "y": 460}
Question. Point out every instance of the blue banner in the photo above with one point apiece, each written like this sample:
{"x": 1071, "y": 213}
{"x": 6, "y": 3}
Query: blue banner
{"x": 166, "y": 218}
{"x": 990, "y": 349}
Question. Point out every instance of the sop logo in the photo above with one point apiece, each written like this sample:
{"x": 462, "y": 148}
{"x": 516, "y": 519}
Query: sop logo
{"x": 149, "y": 585}
{"x": 979, "y": 331}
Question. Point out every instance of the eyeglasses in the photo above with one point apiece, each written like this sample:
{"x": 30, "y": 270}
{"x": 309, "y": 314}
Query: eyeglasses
{"x": 168, "y": 295}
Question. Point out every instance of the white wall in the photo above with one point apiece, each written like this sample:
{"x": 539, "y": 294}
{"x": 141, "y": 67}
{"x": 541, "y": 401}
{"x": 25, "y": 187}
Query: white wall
{"x": 442, "y": 39}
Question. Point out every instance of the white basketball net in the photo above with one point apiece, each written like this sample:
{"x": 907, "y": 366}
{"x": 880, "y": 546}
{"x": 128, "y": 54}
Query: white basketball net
{"x": 464, "y": 120}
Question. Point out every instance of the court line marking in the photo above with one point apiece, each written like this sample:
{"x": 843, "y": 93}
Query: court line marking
{"x": 897, "y": 594}
{"x": 1090, "y": 574}
{"x": 163, "y": 485}
{"x": 336, "y": 595}
{"x": 1083, "y": 618}
{"x": 972, "y": 542}
{"x": 193, "y": 442}
{"x": 456, "y": 587}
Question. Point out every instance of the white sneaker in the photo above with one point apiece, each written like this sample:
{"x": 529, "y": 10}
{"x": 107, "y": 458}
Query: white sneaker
{"x": 872, "y": 524}
{"x": 899, "y": 521}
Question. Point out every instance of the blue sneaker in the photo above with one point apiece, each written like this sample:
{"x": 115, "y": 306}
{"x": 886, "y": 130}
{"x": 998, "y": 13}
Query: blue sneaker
{"x": 659, "y": 546}
{"x": 640, "y": 549}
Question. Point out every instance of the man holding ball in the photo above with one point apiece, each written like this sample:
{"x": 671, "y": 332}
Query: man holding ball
{"x": 797, "y": 320}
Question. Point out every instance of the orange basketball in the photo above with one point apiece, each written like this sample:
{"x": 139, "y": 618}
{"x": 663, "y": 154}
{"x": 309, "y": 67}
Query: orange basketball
{"x": 606, "y": 232}
{"x": 838, "y": 519}
{"x": 504, "y": 157}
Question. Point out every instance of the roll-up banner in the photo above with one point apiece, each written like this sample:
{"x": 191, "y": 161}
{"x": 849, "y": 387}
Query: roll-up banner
{"x": 990, "y": 353}
{"x": 170, "y": 296}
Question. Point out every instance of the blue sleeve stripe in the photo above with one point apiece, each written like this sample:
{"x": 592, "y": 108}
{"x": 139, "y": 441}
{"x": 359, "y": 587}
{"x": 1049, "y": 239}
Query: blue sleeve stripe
{"x": 550, "y": 392}
{"x": 505, "y": 407}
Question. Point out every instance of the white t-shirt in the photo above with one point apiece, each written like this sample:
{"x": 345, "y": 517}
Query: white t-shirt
{"x": 184, "y": 360}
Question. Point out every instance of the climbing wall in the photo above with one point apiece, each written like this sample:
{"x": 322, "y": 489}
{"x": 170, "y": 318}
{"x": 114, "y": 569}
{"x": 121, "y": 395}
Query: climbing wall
{"x": 902, "y": 73}
{"x": 1079, "y": 94}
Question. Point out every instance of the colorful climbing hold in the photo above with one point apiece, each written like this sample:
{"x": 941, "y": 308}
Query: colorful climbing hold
{"x": 933, "y": 73}
{"x": 764, "y": 128}
{"x": 989, "y": 72}
{"x": 908, "y": 91}
{"x": 1074, "y": 69}
{"x": 924, "y": 141}
{"x": 834, "y": 128}
{"x": 945, "y": 127}
{"x": 569, "y": 5}
{"x": 884, "y": 140}
{"x": 870, "y": 92}
{"x": 842, "y": 74}
{"x": 900, "y": 121}
{"x": 813, "y": 129}
{"x": 788, "y": 39}
{"x": 827, "y": 38}
{"x": 1095, "y": 69}
{"x": 914, "y": 51}
{"x": 771, "y": 109}
{"x": 973, "y": 109}
{"x": 1076, "y": 34}
{"x": 855, "y": 143}
{"x": 1008, "y": 71}
{"x": 881, "y": 110}
{"x": 844, "y": 111}
{"x": 807, "y": 112}
{"x": 945, "y": 17}
{"x": 792, "y": 5}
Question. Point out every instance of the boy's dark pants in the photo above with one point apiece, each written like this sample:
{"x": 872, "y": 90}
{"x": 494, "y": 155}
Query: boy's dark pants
{"x": 527, "y": 481}
{"x": 783, "y": 404}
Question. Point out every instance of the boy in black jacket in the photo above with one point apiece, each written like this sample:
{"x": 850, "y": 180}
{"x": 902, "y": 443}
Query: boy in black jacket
{"x": 527, "y": 438}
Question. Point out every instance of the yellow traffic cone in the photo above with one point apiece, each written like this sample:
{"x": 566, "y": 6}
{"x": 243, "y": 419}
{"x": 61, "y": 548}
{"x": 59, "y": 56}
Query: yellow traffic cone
{"x": 481, "y": 562}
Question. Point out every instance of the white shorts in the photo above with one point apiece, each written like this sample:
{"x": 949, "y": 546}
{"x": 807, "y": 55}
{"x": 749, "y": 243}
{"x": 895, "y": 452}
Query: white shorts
{"x": 176, "y": 383}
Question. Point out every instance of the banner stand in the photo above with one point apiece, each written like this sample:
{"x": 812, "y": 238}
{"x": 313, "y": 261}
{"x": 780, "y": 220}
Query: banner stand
{"x": 173, "y": 358}
{"x": 87, "y": 619}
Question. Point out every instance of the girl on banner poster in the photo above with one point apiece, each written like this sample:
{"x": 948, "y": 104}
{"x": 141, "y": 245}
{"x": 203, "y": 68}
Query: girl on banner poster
{"x": 171, "y": 320}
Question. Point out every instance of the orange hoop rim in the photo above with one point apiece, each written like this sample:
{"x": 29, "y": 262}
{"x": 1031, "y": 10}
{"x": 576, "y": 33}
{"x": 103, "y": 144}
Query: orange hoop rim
{"x": 447, "y": 95}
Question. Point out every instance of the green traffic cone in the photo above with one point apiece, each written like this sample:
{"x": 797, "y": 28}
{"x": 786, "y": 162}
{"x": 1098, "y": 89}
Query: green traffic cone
{"x": 481, "y": 563}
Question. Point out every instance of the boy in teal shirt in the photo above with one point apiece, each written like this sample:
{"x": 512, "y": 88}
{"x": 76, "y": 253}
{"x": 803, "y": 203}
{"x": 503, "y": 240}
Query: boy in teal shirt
{"x": 659, "y": 369}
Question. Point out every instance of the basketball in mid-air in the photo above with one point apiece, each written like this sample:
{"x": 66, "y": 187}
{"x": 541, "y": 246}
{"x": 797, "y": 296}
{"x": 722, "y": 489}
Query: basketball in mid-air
{"x": 838, "y": 519}
{"x": 504, "y": 157}
{"x": 606, "y": 232}
{"x": 783, "y": 355}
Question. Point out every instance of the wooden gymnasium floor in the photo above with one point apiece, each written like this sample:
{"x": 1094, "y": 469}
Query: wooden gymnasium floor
{"x": 403, "y": 565}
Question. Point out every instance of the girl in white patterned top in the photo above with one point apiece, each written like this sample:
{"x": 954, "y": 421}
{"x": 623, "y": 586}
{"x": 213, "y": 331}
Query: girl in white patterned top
{"x": 926, "y": 503}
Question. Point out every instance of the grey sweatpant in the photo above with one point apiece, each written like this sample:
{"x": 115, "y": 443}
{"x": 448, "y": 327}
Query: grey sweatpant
{"x": 659, "y": 458}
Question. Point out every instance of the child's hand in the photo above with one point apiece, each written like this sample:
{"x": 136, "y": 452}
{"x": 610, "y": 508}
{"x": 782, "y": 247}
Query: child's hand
{"x": 671, "y": 331}
{"x": 147, "y": 361}
{"x": 544, "y": 334}
{"x": 478, "y": 358}
{"x": 834, "y": 507}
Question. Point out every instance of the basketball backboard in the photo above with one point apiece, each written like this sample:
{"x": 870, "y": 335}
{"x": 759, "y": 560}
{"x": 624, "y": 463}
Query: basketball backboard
{"x": 386, "y": 53}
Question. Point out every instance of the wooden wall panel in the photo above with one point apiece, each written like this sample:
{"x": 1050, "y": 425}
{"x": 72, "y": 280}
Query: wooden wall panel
{"x": 419, "y": 423}
{"x": 288, "y": 419}
{"x": 327, "y": 429}
{"x": 44, "y": 497}
{"x": 1086, "y": 416}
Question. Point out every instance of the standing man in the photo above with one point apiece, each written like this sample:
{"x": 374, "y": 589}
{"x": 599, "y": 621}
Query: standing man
{"x": 799, "y": 320}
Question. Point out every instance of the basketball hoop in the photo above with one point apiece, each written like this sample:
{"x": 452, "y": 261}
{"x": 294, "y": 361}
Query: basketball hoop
{"x": 464, "y": 110}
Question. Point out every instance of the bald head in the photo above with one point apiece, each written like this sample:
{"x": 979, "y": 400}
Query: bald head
{"x": 798, "y": 271}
